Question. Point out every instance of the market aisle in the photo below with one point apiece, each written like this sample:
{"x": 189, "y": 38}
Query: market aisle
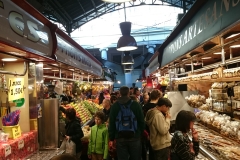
{"x": 44, "y": 154}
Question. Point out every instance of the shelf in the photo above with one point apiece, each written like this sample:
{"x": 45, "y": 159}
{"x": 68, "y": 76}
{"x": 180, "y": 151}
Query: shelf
{"x": 212, "y": 80}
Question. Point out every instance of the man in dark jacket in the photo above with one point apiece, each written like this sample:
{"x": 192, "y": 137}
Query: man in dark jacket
{"x": 154, "y": 96}
{"x": 126, "y": 147}
{"x": 106, "y": 108}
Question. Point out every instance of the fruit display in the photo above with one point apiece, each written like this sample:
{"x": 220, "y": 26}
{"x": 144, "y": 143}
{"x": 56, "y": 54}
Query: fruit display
{"x": 84, "y": 110}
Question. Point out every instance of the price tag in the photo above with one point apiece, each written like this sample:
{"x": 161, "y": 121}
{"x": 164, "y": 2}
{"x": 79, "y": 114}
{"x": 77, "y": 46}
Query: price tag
{"x": 20, "y": 144}
{"x": 7, "y": 150}
{"x": 15, "y": 88}
{"x": 16, "y": 131}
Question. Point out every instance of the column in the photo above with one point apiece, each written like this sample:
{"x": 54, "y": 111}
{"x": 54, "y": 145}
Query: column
{"x": 128, "y": 79}
{"x": 104, "y": 53}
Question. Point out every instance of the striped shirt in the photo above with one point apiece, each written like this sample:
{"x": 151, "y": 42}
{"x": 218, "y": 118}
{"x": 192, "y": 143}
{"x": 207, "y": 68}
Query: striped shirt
{"x": 180, "y": 149}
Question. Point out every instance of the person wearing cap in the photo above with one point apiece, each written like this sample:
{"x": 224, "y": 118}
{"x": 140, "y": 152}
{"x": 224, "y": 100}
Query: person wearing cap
{"x": 158, "y": 121}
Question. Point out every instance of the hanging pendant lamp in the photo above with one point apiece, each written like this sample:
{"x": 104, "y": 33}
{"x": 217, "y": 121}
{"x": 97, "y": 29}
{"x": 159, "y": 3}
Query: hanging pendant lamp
{"x": 117, "y": 1}
{"x": 126, "y": 42}
{"x": 128, "y": 67}
{"x": 127, "y": 58}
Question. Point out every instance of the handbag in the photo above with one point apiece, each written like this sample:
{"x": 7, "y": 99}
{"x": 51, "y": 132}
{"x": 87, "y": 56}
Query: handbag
{"x": 70, "y": 147}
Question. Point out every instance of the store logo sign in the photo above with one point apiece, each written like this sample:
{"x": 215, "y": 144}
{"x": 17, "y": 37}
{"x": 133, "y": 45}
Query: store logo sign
{"x": 18, "y": 25}
{"x": 203, "y": 22}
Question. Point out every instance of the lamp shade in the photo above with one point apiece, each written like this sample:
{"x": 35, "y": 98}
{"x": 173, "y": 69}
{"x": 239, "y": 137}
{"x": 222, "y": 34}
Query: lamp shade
{"x": 116, "y": 1}
{"x": 127, "y": 59}
{"x": 128, "y": 67}
{"x": 126, "y": 42}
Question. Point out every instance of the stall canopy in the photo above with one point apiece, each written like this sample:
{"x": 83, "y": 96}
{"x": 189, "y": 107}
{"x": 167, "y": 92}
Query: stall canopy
{"x": 70, "y": 53}
{"x": 27, "y": 33}
{"x": 203, "y": 21}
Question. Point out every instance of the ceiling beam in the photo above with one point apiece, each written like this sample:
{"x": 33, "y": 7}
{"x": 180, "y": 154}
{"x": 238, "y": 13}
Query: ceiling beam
{"x": 83, "y": 10}
{"x": 55, "y": 14}
{"x": 62, "y": 10}
{"x": 94, "y": 5}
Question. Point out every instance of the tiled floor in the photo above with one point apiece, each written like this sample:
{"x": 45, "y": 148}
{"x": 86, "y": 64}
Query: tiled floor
{"x": 44, "y": 155}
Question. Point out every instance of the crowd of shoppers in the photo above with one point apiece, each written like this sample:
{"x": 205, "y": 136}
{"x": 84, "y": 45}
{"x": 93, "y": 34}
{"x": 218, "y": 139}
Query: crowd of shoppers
{"x": 149, "y": 118}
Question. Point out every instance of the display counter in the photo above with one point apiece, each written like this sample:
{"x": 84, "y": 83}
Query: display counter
{"x": 19, "y": 148}
{"x": 215, "y": 145}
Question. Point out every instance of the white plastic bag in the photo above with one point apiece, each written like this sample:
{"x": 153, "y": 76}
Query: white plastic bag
{"x": 70, "y": 147}
{"x": 63, "y": 145}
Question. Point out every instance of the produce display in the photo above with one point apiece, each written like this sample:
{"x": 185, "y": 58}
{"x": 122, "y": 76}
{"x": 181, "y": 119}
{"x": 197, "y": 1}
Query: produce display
{"x": 221, "y": 147}
{"x": 84, "y": 110}
{"x": 195, "y": 101}
{"x": 11, "y": 119}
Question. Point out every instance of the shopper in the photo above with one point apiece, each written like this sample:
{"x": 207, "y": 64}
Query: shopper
{"x": 145, "y": 99}
{"x": 128, "y": 143}
{"x": 138, "y": 95}
{"x": 98, "y": 143}
{"x": 106, "y": 108}
{"x": 113, "y": 99}
{"x": 181, "y": 146}
{"x": 158, "y": 121}
{"x": 73, "y": 130}
{"x": 154, "y": 96}
{"x": 101, "y": 98}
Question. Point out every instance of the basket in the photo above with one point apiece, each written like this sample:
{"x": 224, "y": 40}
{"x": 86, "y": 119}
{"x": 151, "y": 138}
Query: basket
{"x": 33, "y": 124}
{"x": 9, "y": 130}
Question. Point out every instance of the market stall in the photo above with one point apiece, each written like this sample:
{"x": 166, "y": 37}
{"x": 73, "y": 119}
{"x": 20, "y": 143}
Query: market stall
{"x": 24, "y": 41}
{"x": 203, "y": 52}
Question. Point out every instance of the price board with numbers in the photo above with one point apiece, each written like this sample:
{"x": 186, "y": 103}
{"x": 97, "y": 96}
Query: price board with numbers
{"x": 16, "y": 90}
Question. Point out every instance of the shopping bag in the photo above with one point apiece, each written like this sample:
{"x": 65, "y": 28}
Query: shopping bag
{"x": 70, "y": 147}
{"x": 63, "y": 145}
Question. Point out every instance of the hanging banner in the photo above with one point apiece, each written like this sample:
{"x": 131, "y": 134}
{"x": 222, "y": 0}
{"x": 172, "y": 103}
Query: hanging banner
{"x": 15, "y": 90}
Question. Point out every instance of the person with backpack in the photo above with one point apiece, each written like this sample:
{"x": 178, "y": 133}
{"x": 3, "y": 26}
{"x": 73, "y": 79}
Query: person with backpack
{"x": 126, "y": 125}
{"x": 158, "y": 121}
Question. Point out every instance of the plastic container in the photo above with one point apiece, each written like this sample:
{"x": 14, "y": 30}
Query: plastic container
{"x": 33, "y": 124}
{"x": 8, "y": 129}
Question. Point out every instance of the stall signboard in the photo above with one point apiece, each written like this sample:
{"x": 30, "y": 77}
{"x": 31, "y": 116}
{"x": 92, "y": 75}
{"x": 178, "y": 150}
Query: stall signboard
{"x": 15, "y": 88}
{"x": 69, "y": 54}
{"x": 212, "y": 17}
{"x": 21, "y": 30}
{"x": 16, "y": 132}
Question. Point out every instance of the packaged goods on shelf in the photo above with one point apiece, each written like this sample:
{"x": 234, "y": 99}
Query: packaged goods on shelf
{"x": 218, "y": 85}
{"x": 221, "y": 146}
{"x": 221, "y": 122}
{"x": 195, "y": 101}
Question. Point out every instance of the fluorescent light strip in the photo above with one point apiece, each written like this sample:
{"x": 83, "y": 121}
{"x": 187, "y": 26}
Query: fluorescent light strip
{"x": 9, "y": 59}
{"x": 235, "y": 46}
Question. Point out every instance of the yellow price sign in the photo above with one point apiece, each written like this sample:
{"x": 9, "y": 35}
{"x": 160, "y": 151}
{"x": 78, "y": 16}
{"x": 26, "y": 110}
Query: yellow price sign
{"x": 16, "y": 131}
{"x": 16, "y": 90}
